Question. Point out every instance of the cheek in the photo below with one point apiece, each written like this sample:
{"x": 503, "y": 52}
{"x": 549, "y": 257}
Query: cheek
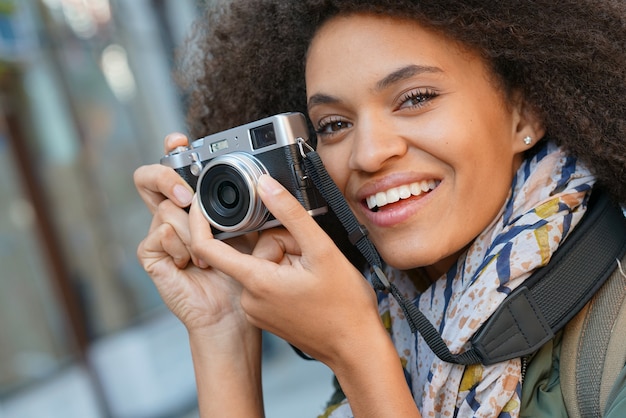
{"x": 336, "y": 163}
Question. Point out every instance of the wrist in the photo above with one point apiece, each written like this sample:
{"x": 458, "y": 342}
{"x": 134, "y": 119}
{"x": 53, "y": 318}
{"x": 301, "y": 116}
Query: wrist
{"x": 227, "y": 365}
{"x": 371, "y": 376}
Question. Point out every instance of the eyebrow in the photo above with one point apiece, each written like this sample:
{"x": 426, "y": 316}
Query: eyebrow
{"x": 405, "y": 73}
{"x": 398, "y": 75}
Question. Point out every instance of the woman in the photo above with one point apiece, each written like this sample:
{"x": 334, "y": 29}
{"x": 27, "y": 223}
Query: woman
{"x": 467, "y": 139}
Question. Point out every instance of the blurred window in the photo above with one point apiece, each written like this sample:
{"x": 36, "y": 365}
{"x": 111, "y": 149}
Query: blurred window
{"x": 86, "y": 97}
{"x": 34, "y": 338}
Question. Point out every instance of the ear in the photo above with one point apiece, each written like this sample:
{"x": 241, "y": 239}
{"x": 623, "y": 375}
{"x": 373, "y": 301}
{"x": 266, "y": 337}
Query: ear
{"x": 528, "y": 128}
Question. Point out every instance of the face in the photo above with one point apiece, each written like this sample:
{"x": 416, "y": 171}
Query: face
{"x": 416, "y": 134}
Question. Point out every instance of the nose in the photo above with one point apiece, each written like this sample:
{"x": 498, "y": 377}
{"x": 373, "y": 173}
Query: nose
{"x": 376, "y": 142}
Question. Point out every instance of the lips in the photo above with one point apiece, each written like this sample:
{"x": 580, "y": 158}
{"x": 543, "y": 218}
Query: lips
{"x": 395, "y": 194}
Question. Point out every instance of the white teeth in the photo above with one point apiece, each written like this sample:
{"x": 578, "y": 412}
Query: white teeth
{"x": 393, "y": 196}
{"x": 371, "y": 201}
{"x": 405, "y": 192}
{"x": 381, "y": 199}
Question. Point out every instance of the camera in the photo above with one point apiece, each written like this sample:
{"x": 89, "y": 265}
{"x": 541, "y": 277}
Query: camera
{"x": 224, "y": 169}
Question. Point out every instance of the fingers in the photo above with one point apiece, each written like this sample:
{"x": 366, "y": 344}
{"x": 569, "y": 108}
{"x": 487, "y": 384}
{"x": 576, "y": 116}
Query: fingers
{"x": 244, "y": 243}
{"x": 274, "y": 244}
{"x": 219, "y": 254}
{"x": 162, "y": 243}
{"x": 156, "y": 183}
{"x": 175, "y": 140}
{"x": 170, "y": 227}
{"x": 293, "y": 216}
{"x": 304, "y": 237}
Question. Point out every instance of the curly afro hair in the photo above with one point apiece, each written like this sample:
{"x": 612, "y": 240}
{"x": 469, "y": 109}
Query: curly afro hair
{"x": 246, "y": 58}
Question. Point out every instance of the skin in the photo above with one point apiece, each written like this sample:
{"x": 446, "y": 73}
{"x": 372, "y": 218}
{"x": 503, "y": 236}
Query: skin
{"x": 423, "y": 110}
{"x": 204, "y": 299}
{"x": 282, "y": 279}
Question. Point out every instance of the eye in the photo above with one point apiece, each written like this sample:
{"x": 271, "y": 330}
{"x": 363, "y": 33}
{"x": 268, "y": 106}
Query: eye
{"x": 416, "y": 98}
{"x": 331, "y": 125}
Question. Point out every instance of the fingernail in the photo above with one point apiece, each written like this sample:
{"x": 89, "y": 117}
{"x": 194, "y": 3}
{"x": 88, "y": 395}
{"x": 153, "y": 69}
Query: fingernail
{"x": 202, "y": 264}
{"x": 183, "y": 195}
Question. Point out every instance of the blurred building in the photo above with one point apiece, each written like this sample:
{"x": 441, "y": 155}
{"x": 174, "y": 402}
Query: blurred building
{"x": 86, "y": 96}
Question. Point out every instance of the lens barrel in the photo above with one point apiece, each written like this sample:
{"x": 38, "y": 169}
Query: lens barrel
{"x": 227, "y": 192}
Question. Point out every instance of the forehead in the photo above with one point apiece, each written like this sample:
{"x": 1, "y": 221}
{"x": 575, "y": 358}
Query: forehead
{"x": 376, "y": 45}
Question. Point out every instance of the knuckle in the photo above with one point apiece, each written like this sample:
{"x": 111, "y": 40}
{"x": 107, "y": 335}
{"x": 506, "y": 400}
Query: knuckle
{"x": 181, "y": 261}
{"x": 196, "y": 246}
{"x": 164, "y": 209}
{"x": 138, "y": 174}
{"x": 143, "y": 257}
{"x": 141, "y": 251}
{"x": 167, "y": 232}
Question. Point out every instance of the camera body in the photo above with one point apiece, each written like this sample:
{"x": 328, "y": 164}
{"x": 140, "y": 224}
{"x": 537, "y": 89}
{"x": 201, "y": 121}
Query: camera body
{"x": 224, "y": 169}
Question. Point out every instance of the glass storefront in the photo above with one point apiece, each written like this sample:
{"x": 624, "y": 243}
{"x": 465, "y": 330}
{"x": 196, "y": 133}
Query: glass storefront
{"x": 79, "y": 112}
{"x": 86, "y": 96}
{"x": 35, "y": 338}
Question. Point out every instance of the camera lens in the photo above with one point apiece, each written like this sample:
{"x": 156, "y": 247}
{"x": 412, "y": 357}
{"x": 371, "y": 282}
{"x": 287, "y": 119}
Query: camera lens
{"x": 227, "y": 192}
{"x": 228, "y": 195}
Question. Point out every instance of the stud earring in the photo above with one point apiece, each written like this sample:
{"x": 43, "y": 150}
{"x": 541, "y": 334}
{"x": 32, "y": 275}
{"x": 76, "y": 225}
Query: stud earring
{"x": 528, "y": 140}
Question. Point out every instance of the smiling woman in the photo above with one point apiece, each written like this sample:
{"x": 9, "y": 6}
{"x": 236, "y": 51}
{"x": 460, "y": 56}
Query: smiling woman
{"x": 467, "y": 139}
{"x": 425, "y": 112}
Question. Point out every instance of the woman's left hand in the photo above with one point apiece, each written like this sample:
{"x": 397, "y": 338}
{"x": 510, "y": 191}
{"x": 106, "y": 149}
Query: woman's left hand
{"x": 299, "y": 286}
{"x": 297, "y": 283}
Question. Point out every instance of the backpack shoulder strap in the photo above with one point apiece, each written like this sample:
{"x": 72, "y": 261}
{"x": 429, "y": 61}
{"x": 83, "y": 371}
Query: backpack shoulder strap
{"x": 593, "y": 350}
{"x": 528, "y": 317}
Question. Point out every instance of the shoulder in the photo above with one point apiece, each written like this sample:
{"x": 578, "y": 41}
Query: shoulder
{"x": 541, "y": 389}
{"x": 558, "y": 381}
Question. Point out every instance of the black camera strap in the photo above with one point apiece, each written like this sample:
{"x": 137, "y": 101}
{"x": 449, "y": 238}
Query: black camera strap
{"x": 528, "y": 317}
{"x": 358, "y": 237}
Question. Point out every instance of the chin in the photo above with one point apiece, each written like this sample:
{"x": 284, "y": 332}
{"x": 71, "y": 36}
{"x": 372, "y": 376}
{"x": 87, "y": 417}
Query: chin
{"x": 420, "y": 258}
{"x": 406, "y": 261}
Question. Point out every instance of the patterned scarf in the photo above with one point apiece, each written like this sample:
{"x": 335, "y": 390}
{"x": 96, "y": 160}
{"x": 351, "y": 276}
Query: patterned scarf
{"x": 548, "y": 197}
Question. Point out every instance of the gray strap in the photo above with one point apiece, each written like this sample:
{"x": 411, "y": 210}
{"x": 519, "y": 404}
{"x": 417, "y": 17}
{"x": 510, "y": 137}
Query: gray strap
{"x": 593, "y": 350}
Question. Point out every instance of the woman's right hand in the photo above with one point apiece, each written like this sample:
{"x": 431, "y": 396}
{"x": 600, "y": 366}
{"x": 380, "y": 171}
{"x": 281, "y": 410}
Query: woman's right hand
{"x": 225, "y": 347}
{"x": 200, "y": 296}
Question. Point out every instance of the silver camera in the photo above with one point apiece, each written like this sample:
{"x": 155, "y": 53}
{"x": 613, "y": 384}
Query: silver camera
{"x": 224, "y": 169}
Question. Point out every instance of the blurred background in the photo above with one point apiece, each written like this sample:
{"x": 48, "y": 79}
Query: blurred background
{"x": 86, "y": 96}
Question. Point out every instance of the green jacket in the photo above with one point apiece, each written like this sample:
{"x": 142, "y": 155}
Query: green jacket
{"x": 582, "y": 371}
{"x": 541, "y": 390}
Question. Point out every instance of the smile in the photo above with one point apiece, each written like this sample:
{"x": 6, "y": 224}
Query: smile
{"x": 381, "y": 199}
